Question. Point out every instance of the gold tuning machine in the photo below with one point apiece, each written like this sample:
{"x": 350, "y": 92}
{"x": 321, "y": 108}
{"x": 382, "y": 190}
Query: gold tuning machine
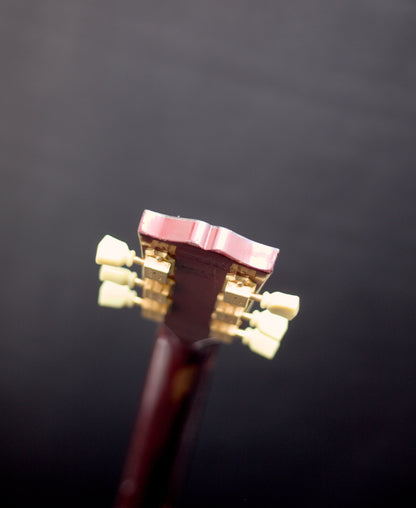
{"x": 117, "y": 296}
{"x": 157, "y": 279}
{"x": 266, "y": 329}
{"x": 239, "y": 294}
{"x": 157, "y": 265}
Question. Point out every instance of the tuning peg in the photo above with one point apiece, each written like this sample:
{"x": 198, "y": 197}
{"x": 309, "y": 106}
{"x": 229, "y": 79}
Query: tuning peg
{"x": 267, "y": 323}
{"x": 157, "y": 265}
{"x": 278, "y": 303}
{"x": 239, "y": 293}
{"x": 113, "y": 295}
{"x": 114, "y": 252}
{"x": 259, "y": 343}
{"x": 119, "y": 275}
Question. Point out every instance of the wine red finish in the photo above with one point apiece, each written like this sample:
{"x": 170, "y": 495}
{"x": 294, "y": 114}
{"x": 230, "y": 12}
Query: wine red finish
{"x": 183, "y": 356}
{"x": 166, "y": 423}
{"x": 203, "y": 256}
{"x": 209, "y": 238}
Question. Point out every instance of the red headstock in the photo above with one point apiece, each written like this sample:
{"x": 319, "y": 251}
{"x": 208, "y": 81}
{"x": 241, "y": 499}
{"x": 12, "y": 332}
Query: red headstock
{"x": 200, "y": 279}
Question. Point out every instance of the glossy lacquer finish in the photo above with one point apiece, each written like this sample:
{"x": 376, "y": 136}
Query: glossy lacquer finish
{"x": 204, "y": 254}
{"x": 166, "y": 424}
{"x": 183, "y": 356}
{"x": 209, "y": 238}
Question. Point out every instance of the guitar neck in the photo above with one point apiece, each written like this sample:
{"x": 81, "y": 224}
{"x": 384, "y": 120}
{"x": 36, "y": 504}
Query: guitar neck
{"x": 200, "y": 281}
{"x": 167, "y": 420}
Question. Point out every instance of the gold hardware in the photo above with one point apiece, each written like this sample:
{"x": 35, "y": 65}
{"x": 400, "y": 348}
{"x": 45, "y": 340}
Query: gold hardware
{"x": 156, "y": 311}
{"x": 157, "y": 266}
{"x": 226, "y": 312}
{"x": 238, "y": 290}
{"x": 156, "y": 291}
{"x": 231, "y": 304}
{"x": 222, "y": 331}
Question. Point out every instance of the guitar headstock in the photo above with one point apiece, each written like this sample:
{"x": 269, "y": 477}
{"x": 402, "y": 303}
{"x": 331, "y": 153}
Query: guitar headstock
{"x": 201, "y": 280}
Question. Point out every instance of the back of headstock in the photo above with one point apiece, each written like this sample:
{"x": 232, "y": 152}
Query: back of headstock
{"x": 201, "y": 280}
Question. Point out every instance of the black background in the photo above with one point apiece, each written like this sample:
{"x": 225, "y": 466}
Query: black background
{"x": 290, "y": 122}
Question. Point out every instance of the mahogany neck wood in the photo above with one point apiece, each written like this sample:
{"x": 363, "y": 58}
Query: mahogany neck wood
{"x": 165, "y": 428}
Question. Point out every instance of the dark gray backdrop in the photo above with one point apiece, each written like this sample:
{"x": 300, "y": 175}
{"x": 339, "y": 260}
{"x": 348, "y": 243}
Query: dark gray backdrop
{"x": 291, "y": 122}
